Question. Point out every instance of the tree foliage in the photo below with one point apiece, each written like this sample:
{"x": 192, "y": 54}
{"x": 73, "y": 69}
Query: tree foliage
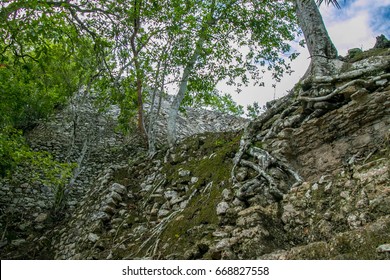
{"x": 213, "y": 100}
{"x": 254, "y": 110}
{"x": 20, "y": 164}
{"x": 44, "y": 59}
{"x": 329, "y": 2}
{"x": 233, "y": 40}
{"x": 131, "y": 52}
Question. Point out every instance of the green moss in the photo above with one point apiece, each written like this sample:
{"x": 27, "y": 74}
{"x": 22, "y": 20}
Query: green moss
{"x": 346, "y": 67}
{"x": 191, "y": 224}
{"x": 361, "y": 244}
{"x": 211, "y": 164}
{"x": 312, "y": 251}
{"x": 369, "y": 53}
{"x": 258, "y": 144}
{"x": 307, "y": 84}
{"x": 211, "y": 157}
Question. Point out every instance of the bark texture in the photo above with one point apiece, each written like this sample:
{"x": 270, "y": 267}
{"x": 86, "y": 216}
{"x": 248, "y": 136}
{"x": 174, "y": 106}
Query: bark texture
{"x": 137, "y": 65}
{"x": 174, "y": 110}
{"x": 319, "y": 44}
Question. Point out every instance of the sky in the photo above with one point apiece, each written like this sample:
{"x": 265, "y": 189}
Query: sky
{"x": 356, "y": 25}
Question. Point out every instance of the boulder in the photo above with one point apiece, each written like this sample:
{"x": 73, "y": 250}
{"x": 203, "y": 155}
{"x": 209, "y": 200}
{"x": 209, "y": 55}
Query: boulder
{"x": 382, "y": 42}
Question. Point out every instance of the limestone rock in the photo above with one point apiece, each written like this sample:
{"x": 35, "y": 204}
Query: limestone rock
{"x": 93, "y": 237}
{"x": 177, "y": 200}
{"x": 41, "y": 218}
{"x": 171, "y": 194}
{"x": 382, "y": 42}
{"x": 163, "y": 213}
{"x": 115, "y": 196}
{"x": 115, "y": 187}
{"x": 226, "y": 194}
{"x": 223, "y": 244}
{"x": 184, "y": 173}
{"x": 222, "y": 207}
{"x": 100, "y": 216}
{"x": 381, "y": 82}
{"x": 18, "y": 242}
{"x": 194, "y": 180}
{"x": 288, "y": 213}
{"x": 384, "y": 248}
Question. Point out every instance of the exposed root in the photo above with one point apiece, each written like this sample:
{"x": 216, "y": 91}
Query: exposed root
{"x": 266, "y": 160}
{"x": 247, "y": 187}
{"x": 369, "y": 155}
{"x": 365, "y": 83}
{"x": 263, "y": 161}
{"x": 281, "y": 106}
{"x": 273, "y": 190}
{"x": 207, "y": 188}
{"x": 161, "y": 183}
{"x": 267, "y": 145}
{"x": 263, "y": 157}
{"x": 332, "y": 94}
{"x": 375, "y": 66}
{"x": 244, "y": 144}
{"x": 156, "y": 247}
{"x": 155, "y": 234}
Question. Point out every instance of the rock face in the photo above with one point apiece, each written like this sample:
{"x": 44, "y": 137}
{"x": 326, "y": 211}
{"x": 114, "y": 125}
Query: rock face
{"x": 81, "y": 133}
{"x": 306, "y": 180}
{"x": 197, "y": 120}
{"x": 382, "y": 42}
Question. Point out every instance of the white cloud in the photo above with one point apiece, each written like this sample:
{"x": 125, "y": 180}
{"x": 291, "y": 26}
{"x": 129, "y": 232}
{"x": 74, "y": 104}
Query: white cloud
{"x": 350, "y": 27}
{"x": 370, "y": 4}
{"x": 352, "y": 33}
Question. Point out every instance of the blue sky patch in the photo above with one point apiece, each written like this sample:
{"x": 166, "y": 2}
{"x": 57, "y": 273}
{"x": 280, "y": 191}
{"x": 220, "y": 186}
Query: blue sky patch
{"x": 380, "y": 21}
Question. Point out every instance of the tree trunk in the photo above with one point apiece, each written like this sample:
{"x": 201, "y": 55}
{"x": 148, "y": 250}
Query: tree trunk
{"x": 208, "y": 20}
{"x": 138, "y": 83}
{"x": 174, "y": 110}
{"x": 155, "y": 106}
{"x": 319, "y": 44}
{"x": 155, "y": 109}
{"x": 141, "y": 124}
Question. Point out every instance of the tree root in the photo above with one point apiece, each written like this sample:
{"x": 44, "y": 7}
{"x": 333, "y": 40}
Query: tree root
{"x": 281, "y": 106}
{"x": 244, "y": 144}
{"x": 365, "y": 83}
{"x": 156, "y": 233}
{"x": 329, "y": 96}
{"x": 285, "y": 108}
{"x": 266, "y": 159}
{"x": 247, "y": 187}
{"x": 273, "y": 190}
{"x": 377, "y": 66}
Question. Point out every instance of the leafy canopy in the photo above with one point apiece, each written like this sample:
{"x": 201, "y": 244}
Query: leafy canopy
{"x": 50, "y": 49}
{"x": 44, "y": 59}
